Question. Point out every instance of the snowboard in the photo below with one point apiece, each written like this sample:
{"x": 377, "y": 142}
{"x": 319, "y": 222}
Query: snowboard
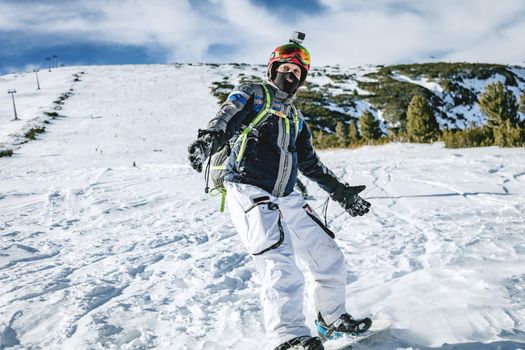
{"x": 346, "y": 343}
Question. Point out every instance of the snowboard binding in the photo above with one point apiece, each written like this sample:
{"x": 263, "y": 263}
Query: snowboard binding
{"x": 304, "y": 342}
{"x": 344, "y": 326}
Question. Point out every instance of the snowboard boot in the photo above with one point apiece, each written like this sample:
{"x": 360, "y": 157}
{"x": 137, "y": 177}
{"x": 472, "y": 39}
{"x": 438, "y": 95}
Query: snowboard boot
{"x": 302, "y": 343}
{"x": 345, "y": 325}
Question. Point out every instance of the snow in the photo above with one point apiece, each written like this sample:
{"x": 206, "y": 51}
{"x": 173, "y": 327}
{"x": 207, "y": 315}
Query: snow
{"x": 427, "y": 84}
{"x": 342, "y": 86}
{"x": 96, "y": 253}
{"x": 30, "y": 103}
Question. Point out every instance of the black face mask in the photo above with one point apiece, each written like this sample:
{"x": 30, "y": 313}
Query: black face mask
{"x": 282, "y": 81}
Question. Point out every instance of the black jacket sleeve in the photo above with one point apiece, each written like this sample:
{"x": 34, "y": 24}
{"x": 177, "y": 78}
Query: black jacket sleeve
{"x": 310, "y": 165}
{"x": 231, "y": 114}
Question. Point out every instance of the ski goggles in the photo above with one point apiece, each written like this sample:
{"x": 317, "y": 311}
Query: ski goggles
{"x": 290, "y": 51}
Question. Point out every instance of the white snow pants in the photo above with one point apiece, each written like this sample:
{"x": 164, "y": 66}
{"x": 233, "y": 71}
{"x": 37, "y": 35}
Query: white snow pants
{"x": 278, "y": 232}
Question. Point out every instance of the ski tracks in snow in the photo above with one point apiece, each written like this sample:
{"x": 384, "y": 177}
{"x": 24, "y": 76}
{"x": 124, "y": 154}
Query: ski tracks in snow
{"x": 99, "y": 254}
{"x": 108, "y": 242}
{"x": 115, "y": 248}
{"x": 444, "y": 237}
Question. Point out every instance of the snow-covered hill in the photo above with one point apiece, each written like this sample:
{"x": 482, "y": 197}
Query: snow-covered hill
{"x": 96, "y": 253}
{"x": 337, "y": 93}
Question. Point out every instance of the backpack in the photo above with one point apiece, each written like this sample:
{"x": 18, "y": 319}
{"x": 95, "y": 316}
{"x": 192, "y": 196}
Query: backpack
{"x": 216, "y": 167}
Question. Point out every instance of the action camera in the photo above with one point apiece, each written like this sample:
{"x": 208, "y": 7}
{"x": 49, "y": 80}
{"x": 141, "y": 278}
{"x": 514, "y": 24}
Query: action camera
{"x": 297, "y": 37}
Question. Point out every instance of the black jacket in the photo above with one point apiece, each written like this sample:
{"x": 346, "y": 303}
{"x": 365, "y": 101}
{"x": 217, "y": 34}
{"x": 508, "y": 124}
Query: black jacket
{"x": 274, "y": 151}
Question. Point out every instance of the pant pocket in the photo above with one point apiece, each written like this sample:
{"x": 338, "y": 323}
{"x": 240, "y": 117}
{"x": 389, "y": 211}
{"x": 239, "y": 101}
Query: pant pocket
{"x": 309, "y": 211}
{"x": 265, "y": 230}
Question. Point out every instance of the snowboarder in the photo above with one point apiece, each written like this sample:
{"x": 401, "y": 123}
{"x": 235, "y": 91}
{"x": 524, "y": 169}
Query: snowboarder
{"x": 276, "y": 225}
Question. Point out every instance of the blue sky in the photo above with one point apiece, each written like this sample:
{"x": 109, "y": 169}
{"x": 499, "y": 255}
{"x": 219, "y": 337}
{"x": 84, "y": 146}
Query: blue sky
{"x": 347, "y": 32}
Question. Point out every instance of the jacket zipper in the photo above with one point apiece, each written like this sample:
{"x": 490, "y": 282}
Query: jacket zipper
{"x": 284, "y": 149}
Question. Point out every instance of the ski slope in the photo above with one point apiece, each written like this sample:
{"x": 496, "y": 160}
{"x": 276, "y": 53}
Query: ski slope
{"x": 107, "y": 240}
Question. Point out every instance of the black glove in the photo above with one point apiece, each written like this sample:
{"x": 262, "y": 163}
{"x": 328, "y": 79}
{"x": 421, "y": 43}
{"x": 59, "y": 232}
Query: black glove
{"x": 349, "y": 199}
{"x": 200, "y": 149}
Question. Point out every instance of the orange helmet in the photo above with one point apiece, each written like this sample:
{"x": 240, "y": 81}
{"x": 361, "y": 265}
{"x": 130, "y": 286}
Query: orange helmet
{"x": 289, "y": 53}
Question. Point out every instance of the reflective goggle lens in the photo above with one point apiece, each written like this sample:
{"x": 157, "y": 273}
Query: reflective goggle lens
{"x": 292, "y": 50}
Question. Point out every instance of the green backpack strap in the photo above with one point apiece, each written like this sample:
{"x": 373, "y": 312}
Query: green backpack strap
{"x": 243, "y": 137}
{"x": 295, "y": 120}
{"x": 222, "y": 191}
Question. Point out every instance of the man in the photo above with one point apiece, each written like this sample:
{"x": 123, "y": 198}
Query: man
{"x": 270, "y": 142}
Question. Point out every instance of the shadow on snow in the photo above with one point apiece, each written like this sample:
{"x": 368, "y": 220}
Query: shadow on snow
{"x": 400, "y": 338}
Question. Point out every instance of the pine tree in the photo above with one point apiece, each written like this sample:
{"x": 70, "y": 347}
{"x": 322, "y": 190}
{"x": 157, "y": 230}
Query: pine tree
{"x": 341, "y": 132}
{"x": 322, "y": 139}
{"x": 353, "y": 132}
{"x": 318, "y": 139}
{"x": 499, "y": 104}
{"x": 509, "y": 135}
{"x": 522, "y": 103}
{"x": 421, "y": 121}
{"x": 370, "y": 129}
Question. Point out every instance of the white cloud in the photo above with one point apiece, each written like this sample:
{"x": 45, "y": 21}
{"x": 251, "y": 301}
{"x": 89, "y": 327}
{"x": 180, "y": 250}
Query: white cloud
{"x": 404, "y": 31}
{"x": 350, "y": 32}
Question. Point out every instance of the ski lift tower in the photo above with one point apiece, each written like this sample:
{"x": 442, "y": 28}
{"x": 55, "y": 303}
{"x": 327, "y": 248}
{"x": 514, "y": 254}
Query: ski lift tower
{"x": 55, "y": 57}
{"x": 13, "y": 92}
{"x": 37, "y": 81}
{"x": 49, "y": 62}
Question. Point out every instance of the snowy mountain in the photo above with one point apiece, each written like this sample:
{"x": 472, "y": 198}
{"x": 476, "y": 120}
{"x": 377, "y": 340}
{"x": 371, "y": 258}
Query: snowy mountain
{"x": 336, "y": 93}
{"x": 107, "y": 240}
